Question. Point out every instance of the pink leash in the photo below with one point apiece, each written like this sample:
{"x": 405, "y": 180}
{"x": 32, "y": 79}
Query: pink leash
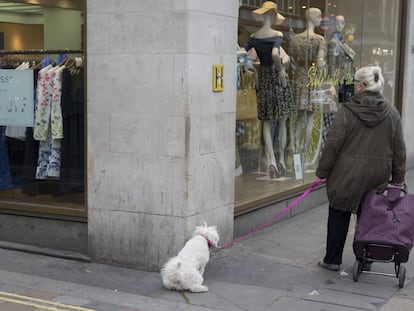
{"x": 271, "y": 220}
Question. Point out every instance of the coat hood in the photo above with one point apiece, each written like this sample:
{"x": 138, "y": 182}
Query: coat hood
{"x": 371, "y": 108}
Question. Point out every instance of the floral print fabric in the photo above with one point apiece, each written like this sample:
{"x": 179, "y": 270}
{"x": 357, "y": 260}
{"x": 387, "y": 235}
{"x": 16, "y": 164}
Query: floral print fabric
{"x": 48, "y": 126}
{"x": 48, "y": 107}
{"x": 305, "y": 50}
{"x": 274, "y": 101}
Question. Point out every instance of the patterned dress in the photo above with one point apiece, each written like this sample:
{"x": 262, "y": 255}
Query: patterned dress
{"x": 274, "y": 101}
{"x": 48, "y": 122}
{"x": 304, "y": 50}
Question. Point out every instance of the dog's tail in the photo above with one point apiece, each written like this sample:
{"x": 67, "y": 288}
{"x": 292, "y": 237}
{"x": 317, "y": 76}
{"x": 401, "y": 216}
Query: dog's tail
{"x": 175, "y": 263}
{"x": 171, "y": 274}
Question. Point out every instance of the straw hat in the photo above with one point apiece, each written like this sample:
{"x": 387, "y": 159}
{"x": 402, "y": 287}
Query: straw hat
{"x": 270, "y": 6}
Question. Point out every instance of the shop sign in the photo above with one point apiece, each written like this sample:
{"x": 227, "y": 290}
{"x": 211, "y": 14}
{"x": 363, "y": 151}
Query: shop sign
{"x": 16, "y": 97}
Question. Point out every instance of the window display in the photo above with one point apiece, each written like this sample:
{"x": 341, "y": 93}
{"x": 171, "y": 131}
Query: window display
{"x": 274, "y": 97}
{"x": 304, "y": 55}
{"x": 42, "y": 120}
{"x": 309, "y": 51}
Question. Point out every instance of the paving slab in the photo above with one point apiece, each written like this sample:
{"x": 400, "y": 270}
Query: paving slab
{"x": 290, "y": 241}
{"x": 398, "y": 304}
{"x": 251, "y": 269}
{"x": 210, "y": 299}
{"x": 291, "y": 304}
{"x": 229, "y": 296}
{"x": 347, "y": 285}
{"x": 345, "y": 299}
{"x": 92, "y": 274}
{"x": 96, "y": 295}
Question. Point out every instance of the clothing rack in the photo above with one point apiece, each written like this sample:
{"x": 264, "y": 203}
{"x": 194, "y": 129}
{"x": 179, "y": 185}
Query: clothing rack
{"x": 40, "y": 51}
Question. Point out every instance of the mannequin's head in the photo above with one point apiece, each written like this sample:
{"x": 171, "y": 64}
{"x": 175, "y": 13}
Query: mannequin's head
{"x": 339, "y": 23}
{"x": 269, "y": 8}
{"x": 369, "y": 79}
{"x": 314, "y": 16}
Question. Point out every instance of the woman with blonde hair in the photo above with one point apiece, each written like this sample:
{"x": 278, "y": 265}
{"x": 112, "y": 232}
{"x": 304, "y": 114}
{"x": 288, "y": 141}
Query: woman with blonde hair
{"x": 372, "y": 79}
{"x": 365, "y": 149}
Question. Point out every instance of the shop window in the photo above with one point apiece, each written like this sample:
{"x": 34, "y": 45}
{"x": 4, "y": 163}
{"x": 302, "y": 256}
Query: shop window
{"x": 288, "y": 6}
{"x": 321, "y": 45}
{"x": 42, "y": 104}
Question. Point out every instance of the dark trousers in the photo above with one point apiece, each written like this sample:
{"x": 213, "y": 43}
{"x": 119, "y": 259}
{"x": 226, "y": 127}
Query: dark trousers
{"x": 338, "y": 224}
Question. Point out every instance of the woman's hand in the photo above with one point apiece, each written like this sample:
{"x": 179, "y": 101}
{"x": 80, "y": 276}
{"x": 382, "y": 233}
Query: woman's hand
{"x": 398, "y": 185}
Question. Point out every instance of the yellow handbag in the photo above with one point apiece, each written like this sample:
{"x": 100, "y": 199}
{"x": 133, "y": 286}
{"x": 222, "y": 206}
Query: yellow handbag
{"x": 246, "y": 97}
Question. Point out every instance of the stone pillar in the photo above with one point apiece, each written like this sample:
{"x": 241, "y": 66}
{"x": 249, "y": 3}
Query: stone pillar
{"x": 160, "y": 141}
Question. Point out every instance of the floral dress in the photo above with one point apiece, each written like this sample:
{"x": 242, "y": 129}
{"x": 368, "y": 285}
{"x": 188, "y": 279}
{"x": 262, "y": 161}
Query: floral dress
{"x": 274, "y": 101}
{"x": 48, "y": 126}
{"x": 304, "y": 51}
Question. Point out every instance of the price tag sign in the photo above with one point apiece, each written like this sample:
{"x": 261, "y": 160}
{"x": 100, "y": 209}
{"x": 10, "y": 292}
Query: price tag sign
{"x": 16, "y": 97}
{"x": 298, "y": 166}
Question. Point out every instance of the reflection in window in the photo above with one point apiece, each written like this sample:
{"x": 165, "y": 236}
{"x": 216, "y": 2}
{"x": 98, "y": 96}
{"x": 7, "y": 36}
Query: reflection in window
{"x": 286, "y": 6}
{"x": 345, "y": 35}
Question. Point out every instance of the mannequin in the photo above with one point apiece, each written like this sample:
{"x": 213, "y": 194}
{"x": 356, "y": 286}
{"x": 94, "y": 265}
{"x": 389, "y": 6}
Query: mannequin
{"x": 282, "y": 130}
{"x": 337, "y": 35}
{"x": 273, "y": 92}
{"x": 340, "y": 59}
{"x": 308, "y": 49}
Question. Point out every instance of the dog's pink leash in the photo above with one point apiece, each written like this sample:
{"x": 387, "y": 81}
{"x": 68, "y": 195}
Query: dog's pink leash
{"x": 271, "y": 220}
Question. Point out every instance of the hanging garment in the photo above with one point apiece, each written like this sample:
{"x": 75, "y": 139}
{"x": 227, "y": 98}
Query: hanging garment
{"x": 48, "y": 108}
{"x": 73, "y": 145}
{"x": 274, "y": 100}
{"x": 5, "y": 177}
{"x": 48, "y": 121}
{"x": 48, "y": 163}
{"x": 305, "y": 51}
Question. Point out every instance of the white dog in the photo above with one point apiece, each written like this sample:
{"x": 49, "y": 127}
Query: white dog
{"x": 185, "y": 271}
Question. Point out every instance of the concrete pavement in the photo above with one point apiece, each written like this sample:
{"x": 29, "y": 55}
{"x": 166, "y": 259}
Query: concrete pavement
{"x": 275, "y": 269}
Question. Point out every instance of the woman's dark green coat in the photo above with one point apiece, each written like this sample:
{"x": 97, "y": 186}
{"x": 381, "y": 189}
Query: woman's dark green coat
{"x": 364, "y": 149}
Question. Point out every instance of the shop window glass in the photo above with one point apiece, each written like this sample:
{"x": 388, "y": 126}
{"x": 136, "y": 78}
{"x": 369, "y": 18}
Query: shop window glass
{"x": 283, "y": 5}
{"x": 42, "y": 64}
{"x": 325, "y": 42}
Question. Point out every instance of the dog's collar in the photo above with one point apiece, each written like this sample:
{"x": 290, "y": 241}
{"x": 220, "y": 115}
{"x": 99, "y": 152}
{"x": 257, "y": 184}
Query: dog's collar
{"x": 209, "y": 243}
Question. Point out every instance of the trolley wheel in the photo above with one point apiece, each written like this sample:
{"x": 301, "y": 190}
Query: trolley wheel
{"x": 356, "y": 270}
{"x": 401, "y": 276}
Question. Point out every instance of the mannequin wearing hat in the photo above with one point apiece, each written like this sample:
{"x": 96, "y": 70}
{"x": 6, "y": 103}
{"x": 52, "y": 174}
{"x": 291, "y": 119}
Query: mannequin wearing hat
{"x": 274, "y": 97}
{"x": 308, "y": 49}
